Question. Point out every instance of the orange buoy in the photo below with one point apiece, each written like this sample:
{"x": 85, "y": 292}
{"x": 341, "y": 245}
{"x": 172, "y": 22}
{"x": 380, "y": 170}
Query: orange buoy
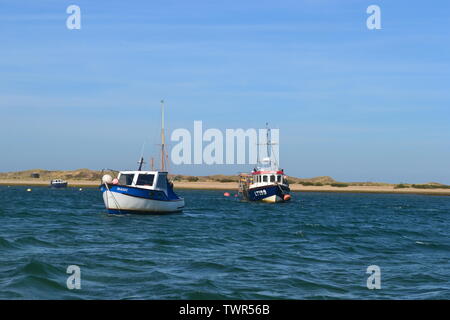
{"x": 226, "y": 194}
{"x": 287, "y": 197}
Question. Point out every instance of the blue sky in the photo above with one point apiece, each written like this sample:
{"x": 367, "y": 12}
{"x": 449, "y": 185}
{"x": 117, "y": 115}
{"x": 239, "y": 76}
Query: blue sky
{"x": 352, "y": 103}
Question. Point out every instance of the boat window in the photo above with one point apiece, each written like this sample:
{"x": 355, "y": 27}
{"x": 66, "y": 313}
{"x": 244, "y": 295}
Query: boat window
{"x": 162, "y": 182}
{"x": 259, "y": 178}
{"x": 272, "y": 178}
{"x": 279, "y": 178}
{"x": 145, "y": 179}
{"x": 264, "y": 178}
{"x": 126, "y": 179}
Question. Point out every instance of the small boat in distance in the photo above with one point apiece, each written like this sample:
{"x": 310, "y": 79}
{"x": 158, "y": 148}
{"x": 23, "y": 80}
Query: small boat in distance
{"x": 58, "y": 183}
{"x": 142, "y": 192}
{"x": 266, "y": 182}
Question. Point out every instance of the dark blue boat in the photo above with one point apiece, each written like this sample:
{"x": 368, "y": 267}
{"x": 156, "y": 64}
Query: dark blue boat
{"x": 267, "y": 182}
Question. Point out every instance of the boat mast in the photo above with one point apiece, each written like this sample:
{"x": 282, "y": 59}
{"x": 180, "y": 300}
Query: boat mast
{"x": 163, "y": 155}
{"x": 268, "y": 143}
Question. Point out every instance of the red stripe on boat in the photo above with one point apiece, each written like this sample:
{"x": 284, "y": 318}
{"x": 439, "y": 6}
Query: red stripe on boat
{"x": 267, "y": 172}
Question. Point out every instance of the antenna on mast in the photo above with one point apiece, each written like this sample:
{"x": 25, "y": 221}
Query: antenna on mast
{"x": 163, "y": 156}
{"x": 268, "y": 138}
{"x": 269, "y": 145}
{"x": 141, "y": 161}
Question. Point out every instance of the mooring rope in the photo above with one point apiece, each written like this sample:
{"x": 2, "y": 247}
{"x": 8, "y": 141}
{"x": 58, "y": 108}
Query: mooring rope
{"x": 114, "y": 198}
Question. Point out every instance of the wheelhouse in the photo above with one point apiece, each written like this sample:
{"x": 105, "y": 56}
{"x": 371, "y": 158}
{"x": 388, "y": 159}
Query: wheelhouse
{"x": 57, "y": 181}
{"x": 269, "y": 177}
{"x": 153, "y": 180}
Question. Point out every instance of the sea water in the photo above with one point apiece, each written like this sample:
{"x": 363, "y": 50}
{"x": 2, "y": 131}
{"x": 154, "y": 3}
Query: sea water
{"x": 318, "y": 246}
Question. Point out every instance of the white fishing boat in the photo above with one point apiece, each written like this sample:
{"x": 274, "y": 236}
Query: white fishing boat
{"x": 58, "y": 183}
{"x": 142, "y": 192}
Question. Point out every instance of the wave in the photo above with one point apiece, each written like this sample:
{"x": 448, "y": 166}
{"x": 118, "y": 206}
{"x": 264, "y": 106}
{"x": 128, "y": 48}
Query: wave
{"x": 5, "y": 244}
{"x": 33, "y": 241}
{"x": 35, "y": 279}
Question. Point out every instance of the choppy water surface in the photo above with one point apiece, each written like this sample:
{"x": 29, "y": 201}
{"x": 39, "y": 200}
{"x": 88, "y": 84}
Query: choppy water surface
{"x": 316, "y": 247}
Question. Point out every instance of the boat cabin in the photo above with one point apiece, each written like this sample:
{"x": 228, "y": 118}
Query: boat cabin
{"x": 153, "y": 180}
{"x": 268, "y": 177}
{"x": 271, "y": 177}
{"x": 56, "y": 181}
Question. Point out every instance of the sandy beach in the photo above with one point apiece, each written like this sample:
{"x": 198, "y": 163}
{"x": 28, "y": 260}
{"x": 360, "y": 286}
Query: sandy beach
{"x": 44, "y": 183}
{"x": 232, "y": 186}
